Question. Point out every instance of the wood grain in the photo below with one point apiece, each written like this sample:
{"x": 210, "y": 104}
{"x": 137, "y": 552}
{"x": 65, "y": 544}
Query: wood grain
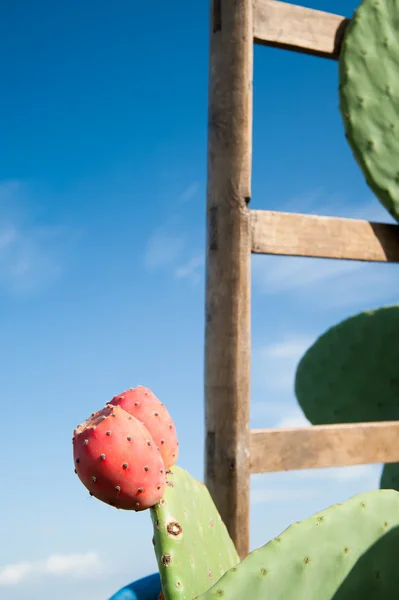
{"x": 297, "y": 28}
{"x": 293, "y": 234}
{"x": 324, "y": 446}
{"x": 228, "y": 256}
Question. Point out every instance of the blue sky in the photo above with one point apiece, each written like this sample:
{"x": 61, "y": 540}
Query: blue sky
{"x": 102, "y": 196}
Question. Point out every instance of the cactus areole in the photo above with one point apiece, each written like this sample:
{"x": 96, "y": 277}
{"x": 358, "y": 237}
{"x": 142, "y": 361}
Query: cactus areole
{"x": 346, "y": 552}
{"x": 191, "y": 542}
{"x": 350, "y": 373}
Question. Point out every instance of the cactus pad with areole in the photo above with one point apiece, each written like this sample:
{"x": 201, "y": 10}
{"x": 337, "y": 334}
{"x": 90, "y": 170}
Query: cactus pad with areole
{"x": 192, "y": 545}
{"x": 351, "y": 373}
{"x": 347, "y": 551}
{"x": 369, "y": 96}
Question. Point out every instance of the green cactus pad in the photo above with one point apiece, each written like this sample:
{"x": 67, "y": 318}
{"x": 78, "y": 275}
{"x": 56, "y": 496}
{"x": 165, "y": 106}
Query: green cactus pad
{"x": 351, "y": 373}
{"x": 369, "y": 96}
{"x": 192, "y": 545}
{"x": 347, "y": 551}
{"x": 390, "y": 477}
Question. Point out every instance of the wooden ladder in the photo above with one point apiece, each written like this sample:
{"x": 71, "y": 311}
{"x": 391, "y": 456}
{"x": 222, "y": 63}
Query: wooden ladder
{"x": 234, "y": 231}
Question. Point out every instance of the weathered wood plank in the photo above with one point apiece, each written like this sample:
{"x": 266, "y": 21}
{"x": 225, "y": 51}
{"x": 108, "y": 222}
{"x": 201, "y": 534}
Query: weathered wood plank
{"x": 228, "y": 248}
{"x": 294, "y": 234}
{"x": 297, "y": 28}
{"x": 324, "y": 446}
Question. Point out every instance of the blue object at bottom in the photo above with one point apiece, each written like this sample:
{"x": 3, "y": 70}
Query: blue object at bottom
{"x": 147, "y": 588}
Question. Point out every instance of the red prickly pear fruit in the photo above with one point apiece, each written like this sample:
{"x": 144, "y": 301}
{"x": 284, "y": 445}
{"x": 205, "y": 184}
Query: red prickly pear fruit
{"x": 117, "y": 460}
{"x": 141, "y": 402}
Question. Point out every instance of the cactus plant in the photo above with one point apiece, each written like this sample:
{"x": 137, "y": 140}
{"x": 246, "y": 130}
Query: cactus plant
{"x": 344, "y": 552}
{"x": 121, "y": 463}
{"x": 369, "y": 96}
{"x": 192, "y": 545}
{"x": 350, "y": 374}
{"x": 125, "y": 454}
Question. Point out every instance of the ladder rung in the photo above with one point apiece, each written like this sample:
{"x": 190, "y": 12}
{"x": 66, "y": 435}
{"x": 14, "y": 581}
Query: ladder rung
{"x": 298, "y": 28}
{"x": 292, "y": 234}
{"x": 321, "y": 446}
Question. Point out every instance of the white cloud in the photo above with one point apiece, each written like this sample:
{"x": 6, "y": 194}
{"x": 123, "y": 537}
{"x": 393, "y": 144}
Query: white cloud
{"x": 8, "y": 235}
{"x": 319, "y": 202}
{"x": 191, "y": 270}
{"x": 325, "y": 283}
{"x": 281, "y": 495}
{"x": 362, "y": 474}
{"x": 275, "y": 363}
{"x": 369, "y": 211}
{"x": 77, "y": 565}
{"x": 279, "y": 360}
{"x": 307, "y": 202}
{"x": 293, "y": 420}
{"x": 306, "y": 484}
{"x": 288, "y": 348}
{"x": 293, "y": 486}
{"x": 30, "y": 253}
{"x": 281, "y": 415}
{"x": 163, "y": 248}
{"x": 288, "y": 414}
{"x": 13, "y": 574}
{"x": 283, "y": 273}
{"x": 271, "y": 409}
{"x": 189, "y": 192}
{"x": 342, "y": 474}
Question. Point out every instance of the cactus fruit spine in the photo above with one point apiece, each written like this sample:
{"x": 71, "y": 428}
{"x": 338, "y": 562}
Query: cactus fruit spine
{"x": 369, "y": 96}
{"x": 141, "y": 403}
{"x": 192, "y": 545}
{"x": 347, "y": 551}
{"x": 117, "y": 461}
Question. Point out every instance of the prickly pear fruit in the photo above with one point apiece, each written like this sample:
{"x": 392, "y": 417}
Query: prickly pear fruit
{"x": 140, "y": 402}
{"x": 192, "y": 545}
{"x": 345, "y": 552}
{"x": 117, "y": 460}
